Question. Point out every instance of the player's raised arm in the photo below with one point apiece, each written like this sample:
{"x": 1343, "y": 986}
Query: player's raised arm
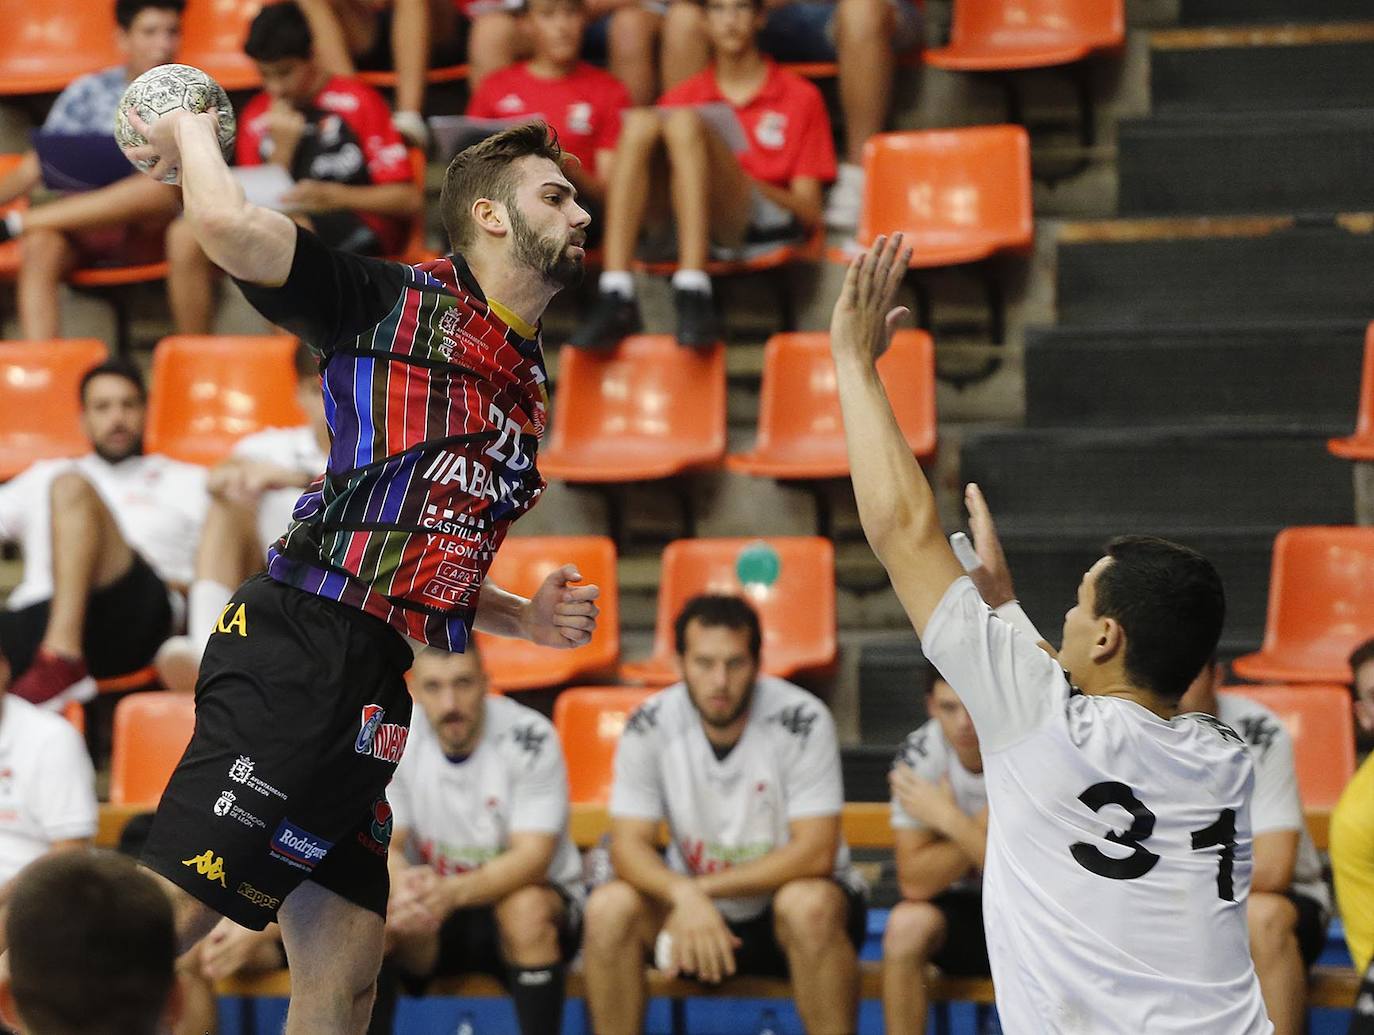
{"x": 896, "y": 505}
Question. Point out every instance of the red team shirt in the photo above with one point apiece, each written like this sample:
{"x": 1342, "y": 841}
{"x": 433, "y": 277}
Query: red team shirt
{"x": 786, "y": 123}
{"x": 354, "y": 142}
{"x": 584, "y": 106}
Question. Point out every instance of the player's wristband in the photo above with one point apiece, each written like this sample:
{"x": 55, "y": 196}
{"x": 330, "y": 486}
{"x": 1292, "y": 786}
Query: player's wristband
{"x": 1011, "y": 613}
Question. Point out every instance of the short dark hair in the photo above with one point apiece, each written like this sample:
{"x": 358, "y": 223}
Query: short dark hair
{"x": 306, "y": 362}
{"x": 1361, "y": 655}
{"x": 279, "y": 31}
{"x": 127, "y": 10}
{"x": 1171, "y": 604}
{"x": 718, "y": 611}
{"x": 92, "y": 945}
{"x": 115, "y": 366}
{"x": 484, "y": 170}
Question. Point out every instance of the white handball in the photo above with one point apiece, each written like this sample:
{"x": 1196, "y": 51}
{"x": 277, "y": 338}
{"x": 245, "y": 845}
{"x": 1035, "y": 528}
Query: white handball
{"x": 165, "y": 89}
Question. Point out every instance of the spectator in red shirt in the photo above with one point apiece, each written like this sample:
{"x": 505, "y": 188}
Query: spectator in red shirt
{"x": 769, "y": 191}
{"x": 333, "y": 135}
{"x": 581, "y": 102}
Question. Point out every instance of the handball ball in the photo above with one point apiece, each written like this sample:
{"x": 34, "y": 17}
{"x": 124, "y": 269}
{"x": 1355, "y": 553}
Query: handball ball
{"x": 164, "y": 89}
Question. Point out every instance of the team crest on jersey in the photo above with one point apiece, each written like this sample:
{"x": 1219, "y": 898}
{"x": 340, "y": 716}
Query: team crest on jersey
{"x": 530, "y": 738}
{"x": 1225, "y": 731}
{"x": 644, "y": 718}
{"x": 914, "y": 748}
{"x": 384, "y": 741}
{"x": 771, "y": 131}
{"x": 1259, "y": 732}
{"x": 796, "y": 720}
{"x": 580, "y": 118}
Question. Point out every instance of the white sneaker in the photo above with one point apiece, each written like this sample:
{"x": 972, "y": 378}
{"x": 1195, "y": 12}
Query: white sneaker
{"x": 178, "y": 664}
{"x": 846, "y": 198}
{"x": 412, "y": 126}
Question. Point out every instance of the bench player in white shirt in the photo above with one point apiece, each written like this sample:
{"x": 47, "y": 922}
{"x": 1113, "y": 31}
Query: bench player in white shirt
{"x": 745, "y": 771}
{"x": 1118, "y": 855}
{"x": 940, "y": 828}
{"x": 105, "y": 539}
{"x": 480, "y": 808}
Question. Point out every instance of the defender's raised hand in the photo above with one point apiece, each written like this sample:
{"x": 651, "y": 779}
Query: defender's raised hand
{"x": 864, "y": 317}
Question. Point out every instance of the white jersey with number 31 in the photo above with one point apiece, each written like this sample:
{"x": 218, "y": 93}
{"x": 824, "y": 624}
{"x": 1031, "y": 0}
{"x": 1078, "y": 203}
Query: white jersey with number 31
{"x": 1119, "y": 849}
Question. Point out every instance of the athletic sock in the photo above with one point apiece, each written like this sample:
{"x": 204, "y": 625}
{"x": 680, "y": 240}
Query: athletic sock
{"x": 692, "y": 280}
{"x": 12, "y": 225}
{"x": 204, "y": 603}
{"x": 537, "y": 994}
{"x": 1362, "y": 1020}
{"x": 617, "y": 282}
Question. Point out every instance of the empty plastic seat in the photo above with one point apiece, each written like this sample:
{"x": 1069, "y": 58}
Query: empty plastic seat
{"x": 40, "y": 411}
{"x": 520, "y": 566}
{"x": 997, "y": 35}
{"x": 646, "y": 409}
{"x": 9, "y": 251}
{"x": 1322, "y": 726}
{"x": 1320, "y": 606}
{"x": 209, "y": 391}
{"x": 589, "y": 720}
{"x": 151, "y": 731}
{"x": 801, "y": 431}
{"x": 1360, "y": 446}
{"x": 45, "y": 46}
{"x": 212, "y": 37}
{"x": 789, "y": 580}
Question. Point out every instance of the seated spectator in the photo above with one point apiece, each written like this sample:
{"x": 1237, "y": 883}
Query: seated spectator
{"x": 92, "y": 950}
{"x": 1362, "y": 689}
{"x": 940, "y": 825}
{"x": 1289, "y": 903}
{"x": 579, "y": 101}
{"x": 333, "y": 135}
{"x": 864, "y": 37}
{"x": 107, "y": 540}
{"x": 228, "y": 951}
{"x": 484, "y": 876}
{"x": 770, "y": 191}
{"x": 252, "y": 495}
{"x": 119, "y": 224}
{"x": 745, "y": 770}
{"x": 626, "y": 37}
{"x": 1351, "y": 846}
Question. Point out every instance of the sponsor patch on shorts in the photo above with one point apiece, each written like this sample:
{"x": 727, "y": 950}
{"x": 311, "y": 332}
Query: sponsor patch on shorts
{"x": 297, "y": 847}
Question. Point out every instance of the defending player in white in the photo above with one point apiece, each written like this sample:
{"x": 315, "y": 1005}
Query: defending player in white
{"x": 1119, "y": 850}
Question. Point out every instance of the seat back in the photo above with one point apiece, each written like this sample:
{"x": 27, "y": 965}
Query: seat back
{"x": 212, "y": 37}
{"x": 9, "y": 251}
{"x": 40, "y": 409}
{"x": 45, "y": 46}
{"x": 589, "y": 720}
{"x": 946, "y": 187}
{"x": 799, "y": 403}
{"x": 987, "y": 24}
{"x": 789, "y": 581}
{"x": 210, "y": 391}
{"x": 416, "y": 248}
{"x": 520, "y": 566}
{"x": 1320, "y": 721}
{"x": 151, "y": 731}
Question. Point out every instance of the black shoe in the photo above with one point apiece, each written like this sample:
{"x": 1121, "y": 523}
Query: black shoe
{"x": 696, "y": 318}
{"x": 612, "y": 318}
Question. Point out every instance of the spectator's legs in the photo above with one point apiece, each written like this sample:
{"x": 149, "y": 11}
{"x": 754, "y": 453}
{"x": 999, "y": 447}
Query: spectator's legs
{"x": 46, "y": 257}
{"x": 712, "y": 195}
{"x": 915, "y": 931}
{"x": 684, "y": 50}
{"x": 632, "y": 38}
{"x": 620, "y": 927}
{"x": 412, "y": 34}
{"x": 334, "y": 950}
{"x": 190, "y": 280}
{"x": 493, "y": 43}
{"x": 339, "y": 29}
{"x": 809, "y": 920}
{"x": 1363, "y": 475}
{"x": 528, "y": 921}
{"x": 1278, "y": 960}
{"x": 627, "y": 194}
{"x": 863, "y": 41}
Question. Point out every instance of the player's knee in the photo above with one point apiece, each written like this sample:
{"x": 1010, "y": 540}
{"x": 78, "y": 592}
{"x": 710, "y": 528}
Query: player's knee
{"x": 863, "y": 21}
{"x": 1272, "y": 921}
{"x": 640, "y": 128}
{"x": 809, "y": 912}
{"x": 614, "y": 912}
{"x": 528, "y": 921}
{"x": 43, "y": 249}
{"x": 683, "y": 127}
{"x": 182, "y": 247}
{"x": 70, "y": 490}
{"x": 914, "y": 931}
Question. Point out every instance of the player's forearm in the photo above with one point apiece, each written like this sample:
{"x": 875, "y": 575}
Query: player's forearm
{"x": 970, "y": 836}
{"x": 500, "y": 613}
{"x": 793, "y": 861}
{"x": 931, "y": 869}
{"x": 383, "y": 199}
{"x": 499, "y": 877}
{"x": 638, "y": 863}
{"x": 1276, "y": 855}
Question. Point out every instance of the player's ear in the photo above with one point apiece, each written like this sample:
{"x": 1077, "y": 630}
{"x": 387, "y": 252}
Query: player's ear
{"x": 1109, "y": 640}
{"x": 490, "y": 216}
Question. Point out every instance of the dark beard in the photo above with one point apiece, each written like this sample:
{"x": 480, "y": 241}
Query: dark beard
{"x": 725, "y": 723}
{"x": 547, "y": 258}
{"x": 135, "y": 449}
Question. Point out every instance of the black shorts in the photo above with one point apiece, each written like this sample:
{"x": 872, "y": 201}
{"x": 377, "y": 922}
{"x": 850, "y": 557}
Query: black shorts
{"x": 759, "y": 953}
{"x": 469, "y": 942}
{"x": 1311, "y": 930}
{"x": 126, "y": 622}
{"x": 965, "y": 952}
{"x": 302, "y": 713}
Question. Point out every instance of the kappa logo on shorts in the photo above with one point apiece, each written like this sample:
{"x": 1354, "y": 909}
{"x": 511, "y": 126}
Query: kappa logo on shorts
{"x": 233, "y": 623}
{"x": 261, "y": 899}
{"x": 297, "y": 847}
{"x": 208, "y": 865}
{"x": 385, "y": 741}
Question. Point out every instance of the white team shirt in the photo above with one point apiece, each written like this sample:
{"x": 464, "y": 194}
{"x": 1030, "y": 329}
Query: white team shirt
{"x": 724, "y": 812}
{"x": 462, "y": 814}
{"x": 293, "y": 448}
{"x": 1276, "y": 804}
{"x": 931, "y": 757}
{"x": 159, "y": 505}
{"x": 47, "y": 784}
{"x": 1102, "y": 916}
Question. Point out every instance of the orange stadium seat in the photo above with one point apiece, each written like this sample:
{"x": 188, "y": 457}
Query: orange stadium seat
{"x": 645, "y": 409}
{"x": 1320, "y": 721}
{"x": 797, "y": 609}
{"x": 800, "y": 431}
{"x": 1360, "y": 446}
{"x": 589, "y": 720}
{"x": 39, "y": 409}
{"x": 385, "y": 78}
{"x": 416, "y": 248}
{"x": 1320, "y": 606}
{"x": 208, "y": 392}
{"x": 9, "y": 251}
{"x": 151, "y": 731}
{"x": 45, "y": 46}
{"x": 520, "y": 566}
{"x": 212, "y": 37}
{"x": 1000, "y": 35}
{"x": 74, "y": 713}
